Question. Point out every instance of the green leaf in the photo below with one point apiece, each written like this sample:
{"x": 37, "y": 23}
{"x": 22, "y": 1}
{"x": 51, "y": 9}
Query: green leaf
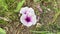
{"x": 3, "y": 22}
{"x": 3, "y": 4}
{"x": 58, "y": 32}
{"x": 2, "y": 31}
{"x": 41, "y": 32}
{"x": 19, "y": 5}
{"x": 50, "y": 33}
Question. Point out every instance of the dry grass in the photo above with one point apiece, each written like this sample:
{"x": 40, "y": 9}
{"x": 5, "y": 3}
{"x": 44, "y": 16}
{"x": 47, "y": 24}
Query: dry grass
{"x": 48, "y": 12}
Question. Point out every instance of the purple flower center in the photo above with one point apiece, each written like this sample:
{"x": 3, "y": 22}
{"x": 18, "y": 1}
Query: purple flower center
{"x": 28, "y": 19}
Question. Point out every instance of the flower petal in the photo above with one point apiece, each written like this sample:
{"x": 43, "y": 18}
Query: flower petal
{"x": 23, "y": 10}
{"x": 31, "y": 11}
{"x": 34, "y": 19}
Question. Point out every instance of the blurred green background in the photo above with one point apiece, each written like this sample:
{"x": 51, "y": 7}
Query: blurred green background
{"x": 49, "y": 17}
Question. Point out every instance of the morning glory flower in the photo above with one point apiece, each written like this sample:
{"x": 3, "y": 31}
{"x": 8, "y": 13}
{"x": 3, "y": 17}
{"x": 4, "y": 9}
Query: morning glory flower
{"x": 28, "y": 17}
{"x": 28, "y": 20}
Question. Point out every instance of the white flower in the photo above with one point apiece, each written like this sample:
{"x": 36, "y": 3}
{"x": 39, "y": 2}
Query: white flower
{"x": 26, "y": 10}
{"x": 28, "y": 18}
